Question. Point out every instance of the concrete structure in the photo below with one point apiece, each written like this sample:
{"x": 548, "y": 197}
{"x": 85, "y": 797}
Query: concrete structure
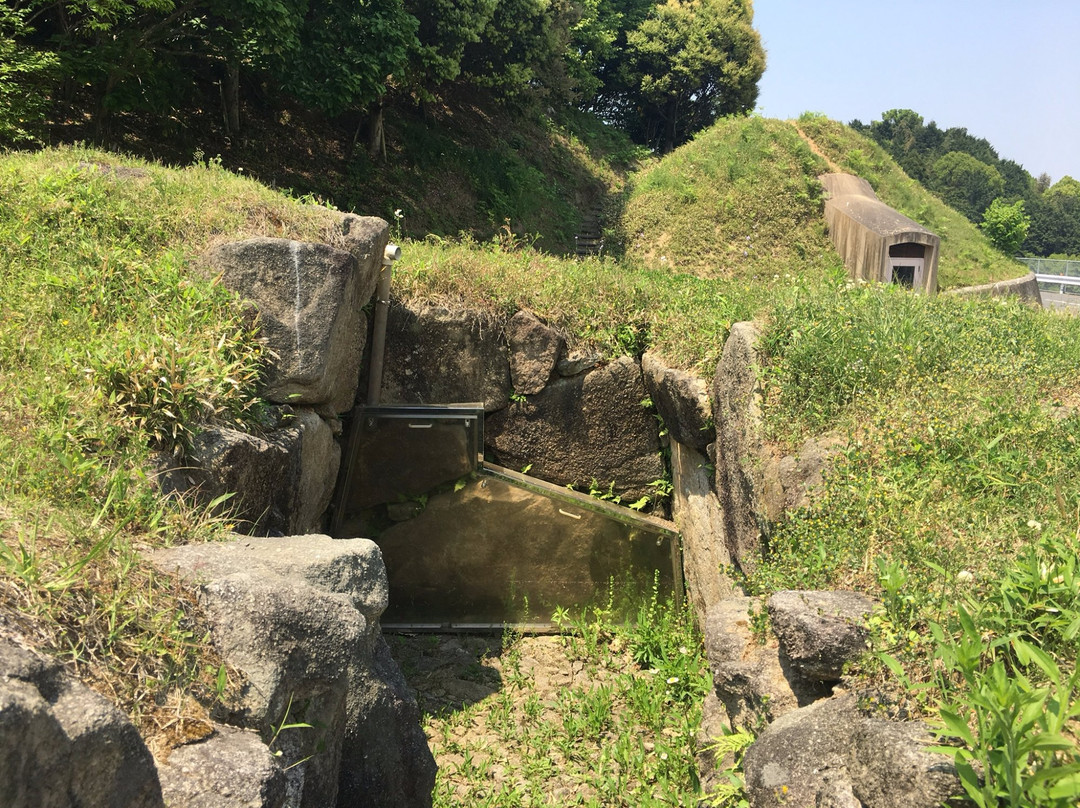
{"x": 1026, "y": 288}
{"x": 876, "y": 242}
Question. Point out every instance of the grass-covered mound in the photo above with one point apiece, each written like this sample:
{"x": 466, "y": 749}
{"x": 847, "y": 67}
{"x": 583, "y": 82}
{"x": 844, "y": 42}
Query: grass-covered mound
{"x": 740, "y": 202}
{"x": 111, "y": 347}
{"x": 967, "y": 257}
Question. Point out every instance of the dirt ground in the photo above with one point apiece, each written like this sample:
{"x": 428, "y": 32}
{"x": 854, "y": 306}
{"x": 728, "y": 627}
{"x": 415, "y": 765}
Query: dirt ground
{"x": 498, "y": 713}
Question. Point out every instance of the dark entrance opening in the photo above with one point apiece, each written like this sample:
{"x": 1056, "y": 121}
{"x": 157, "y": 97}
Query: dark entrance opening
{"x": 904, "y": 276}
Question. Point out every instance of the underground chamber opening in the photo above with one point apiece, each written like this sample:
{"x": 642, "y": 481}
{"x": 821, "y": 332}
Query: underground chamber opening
{"x": 469, "y": 545}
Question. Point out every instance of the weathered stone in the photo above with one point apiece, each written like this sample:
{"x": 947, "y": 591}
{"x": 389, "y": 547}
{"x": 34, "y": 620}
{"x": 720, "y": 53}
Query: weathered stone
{"x": 365, "y": 238}
{"x": 281, "y": 484}
{"x": 700, "y": 520}
{"x": 61, "y": 744}
{"x": 300, "y": 617}
{"x": 577, "y": 363}
{"x": 294, "y": 644}
{"x": 740, "y": 456}
{"x": 802, "y": 756}
{"x": 386, "y": 761}
{"x": 308, "y": 297}
{"x": 682, "y": 400}
{"x": 534, "y": 350}
{"x": 583, "y": 428}
{"x": 233, "y": 768}
{"x": 836, "y": 792}
{"x": 829, "y": 754}
{"x": 318, "y": 459}
{"x": 790, "y": 481}
{"x": 747, "y": 675}
{"x": 890, "y": 766}
{"x": 436, "y": 357}
{"x": 255, "y": 471}
{"x": 820, "y": 632}
{"x": 352, "y": 567}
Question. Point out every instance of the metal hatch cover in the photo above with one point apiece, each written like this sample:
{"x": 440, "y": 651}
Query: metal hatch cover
{"x": 483, "y": 546}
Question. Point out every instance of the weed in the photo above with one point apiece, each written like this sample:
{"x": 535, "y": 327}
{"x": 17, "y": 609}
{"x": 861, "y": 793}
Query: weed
{"x": 620, "y": 732}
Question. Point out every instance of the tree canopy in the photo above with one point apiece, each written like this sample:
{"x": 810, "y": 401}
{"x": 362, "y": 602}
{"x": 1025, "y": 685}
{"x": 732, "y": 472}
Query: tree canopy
{"x": 684, "y": 64}
{"x": 662, "y": 70}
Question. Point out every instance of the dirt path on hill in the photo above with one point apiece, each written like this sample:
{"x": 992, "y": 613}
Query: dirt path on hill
{"x": 833, "y": 167}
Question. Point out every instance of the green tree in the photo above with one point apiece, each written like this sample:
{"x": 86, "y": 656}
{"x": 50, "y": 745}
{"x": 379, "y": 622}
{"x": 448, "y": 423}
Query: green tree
{"x": 517, "y": 44}
{"x": 25, "y": 75}
{"x": 684, "y": 65}
{"x": 958, "y": 139}
{"x": 344, "y": 53}
{"x": 445, "y": 29}
{"x": 966, "y": 184}
{"x": 1066, "y": 186}
{"x": 1006, "y": 225}
{"x": 1055, "y": 220}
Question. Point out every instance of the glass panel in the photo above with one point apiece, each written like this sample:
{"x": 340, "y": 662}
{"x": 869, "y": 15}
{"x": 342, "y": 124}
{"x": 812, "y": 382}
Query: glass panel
{"x": 468, "y": 545}
{"x": 904, "y": 276}
{"x": 493, "y": 552}
{"x": 397, "y": 454}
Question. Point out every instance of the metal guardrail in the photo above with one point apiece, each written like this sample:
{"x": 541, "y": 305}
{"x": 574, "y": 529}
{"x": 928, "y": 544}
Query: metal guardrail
{"x": 1052, "y": 266}
{"x": 1063, "y": 284}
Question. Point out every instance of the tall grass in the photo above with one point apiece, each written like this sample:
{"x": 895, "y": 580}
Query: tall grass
{"x": 954, "y": 500}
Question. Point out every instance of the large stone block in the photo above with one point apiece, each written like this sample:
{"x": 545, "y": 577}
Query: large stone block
{"x": 300, "y": 617}
{"x": 583, "y": 428}
{"x": 232, "y": 768}
{"x": 256, "y": 473}
{"x": 801, "y": 758}
{"x": 891, "y": 766}
{"x": 747, "y": 675}
{"x": 701, "y": 523}
{"x": 830, "y": 754}
{"x": 62, "y": 745}
{"x": 535, "y": 349}
{"x": 434, "y": 356}
{"x": 281, "y": 484}
{"x": 682, "y": 400}
{"x": 309, "y": 298}
{"x": 820, "y": 632}
{"x": 740, "y": 456}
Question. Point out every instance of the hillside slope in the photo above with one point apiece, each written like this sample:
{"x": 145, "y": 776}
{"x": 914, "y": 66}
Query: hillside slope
{"x": 967, "y": 256}
{"x": 742, "y": 201}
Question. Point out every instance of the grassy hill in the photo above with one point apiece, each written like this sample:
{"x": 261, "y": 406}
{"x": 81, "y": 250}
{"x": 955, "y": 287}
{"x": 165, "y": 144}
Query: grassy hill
{"x": 961, "y": 418}
{"x": 967, "y": 257}
{"x": 738, "y": 203}
{"x": 742, "y": 200}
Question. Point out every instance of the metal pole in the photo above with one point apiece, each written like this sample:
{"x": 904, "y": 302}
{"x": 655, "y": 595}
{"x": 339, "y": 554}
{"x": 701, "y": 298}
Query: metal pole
{"x": 378, "y": 338}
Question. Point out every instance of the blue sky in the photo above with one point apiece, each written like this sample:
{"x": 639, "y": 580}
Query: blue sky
{"x": 1007, "y": 71}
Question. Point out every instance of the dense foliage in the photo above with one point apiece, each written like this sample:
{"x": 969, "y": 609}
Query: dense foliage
{"x": 968, "y": 174}
{"x": 680, "y": 68}
{"x": 662, "y": 70}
